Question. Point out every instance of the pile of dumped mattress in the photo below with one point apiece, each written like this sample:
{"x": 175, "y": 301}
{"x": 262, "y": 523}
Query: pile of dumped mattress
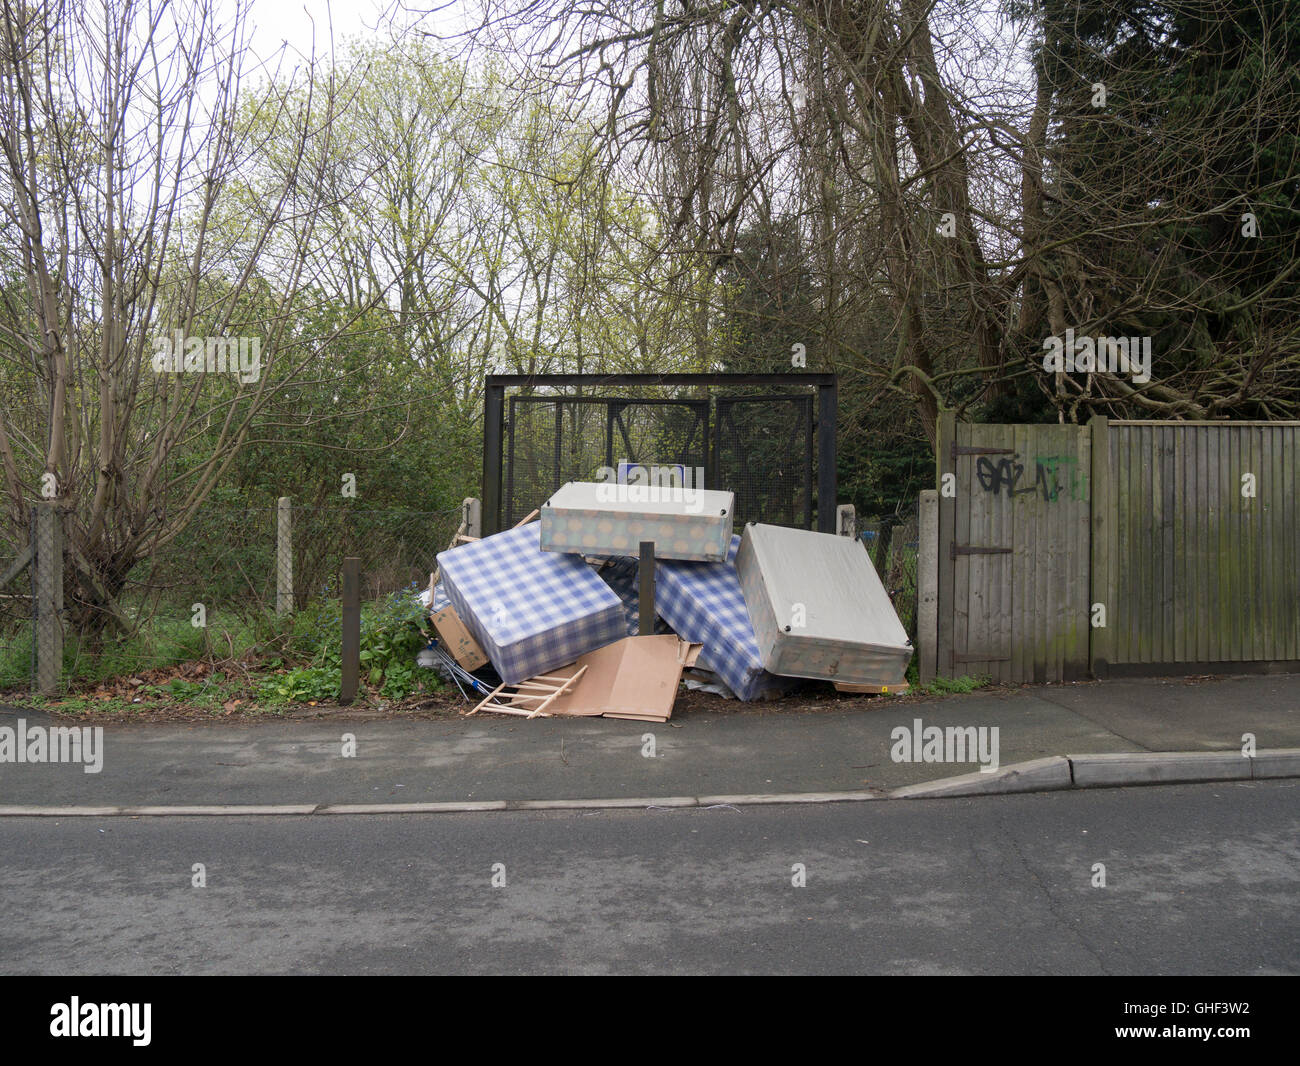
{"x": 553, "y": 607}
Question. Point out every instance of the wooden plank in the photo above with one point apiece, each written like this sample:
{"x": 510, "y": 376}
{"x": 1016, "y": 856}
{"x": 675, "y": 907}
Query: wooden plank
{"x": 1271, "y": 623}
{"x": 927, "y": 585}
{"x": 1075, "y": 666}
{"x": 1165, "y": 487}
{"x": 967, "y": 491}
{"x": 1099, "y": 584}
{"x": 1021, "y": 666}
{"x": 1232, "y": 561}
{"x": 1145, "y": 575}
{"x": 970, "y": 631}
{"x": 946, "y": 434}
{"x": 646, "y": 589}
{"x": 1291, "y": 559}
{"x": 1042, "y": 603}
{"x": 997, "y": 621}
{"x": 569, "y": 684}
{"x": 1001, "y": 624}
{"x": 1288, "y": 543}
{"x": 1181, "y": 608}
{"x": 1060, "y": 516}
{"x": 1224, "y": 535}
{"x": 552, "y": 687}
{"x": 1272, "y": 579}
{"x": 1207, "y": 593}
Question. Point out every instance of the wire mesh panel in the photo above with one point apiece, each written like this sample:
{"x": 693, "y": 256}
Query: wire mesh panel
{"x": 665, "y": 433}
{"x": 759, "y": 447}
{"x": 764, "y": 454}
{"x": 552, "y": 440}
{"x": 754, "y": 434}
{"x": 396, "y": 548}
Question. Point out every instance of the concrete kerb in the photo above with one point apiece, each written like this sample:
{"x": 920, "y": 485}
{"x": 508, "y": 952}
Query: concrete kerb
{"x": 1037, "y": 775}
{"x": 1158, "y": 767}
{"x": 1284, "y": 762}
{"x": 1113, "y": 770}
{"x": 1054, "y": 773}
{"x": 447, "y": 807}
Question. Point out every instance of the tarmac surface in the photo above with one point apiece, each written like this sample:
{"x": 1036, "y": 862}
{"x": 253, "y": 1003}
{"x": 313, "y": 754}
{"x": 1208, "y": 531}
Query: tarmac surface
{"x": 1198, "y": 879}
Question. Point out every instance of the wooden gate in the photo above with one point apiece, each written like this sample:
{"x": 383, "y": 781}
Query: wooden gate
{"x": 1013, "y": 576}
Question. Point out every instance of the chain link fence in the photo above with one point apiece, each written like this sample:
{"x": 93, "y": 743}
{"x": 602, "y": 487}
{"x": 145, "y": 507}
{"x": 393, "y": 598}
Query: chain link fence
{"x": 217, "y": 587}
{"x": 893, "y": 541}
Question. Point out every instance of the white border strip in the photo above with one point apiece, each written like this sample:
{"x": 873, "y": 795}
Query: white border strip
{"x": 1037, "y": 775}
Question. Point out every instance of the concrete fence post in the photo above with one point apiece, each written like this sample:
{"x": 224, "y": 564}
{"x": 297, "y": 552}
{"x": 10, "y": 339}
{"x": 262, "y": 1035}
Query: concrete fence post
{"x": 472, "y": 515}
{"x": 927, "y": 586}
{"x": 350, "y": 655}
{"x": 49, "y": 596}
{"x": 846, "y": 520}
{"x": 284, "y": 556}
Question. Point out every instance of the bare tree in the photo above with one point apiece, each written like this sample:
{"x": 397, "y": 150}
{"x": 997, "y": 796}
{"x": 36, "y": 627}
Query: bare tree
{"x": 123, "y": 152}
{"x": 939, "y": 161}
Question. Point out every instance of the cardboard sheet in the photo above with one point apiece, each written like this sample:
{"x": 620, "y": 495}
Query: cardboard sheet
{"x": 636, "y": 677}
{"x": 457, "y": 639}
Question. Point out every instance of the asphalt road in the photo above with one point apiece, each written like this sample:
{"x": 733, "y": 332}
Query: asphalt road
{"x": 1200, "y": 879}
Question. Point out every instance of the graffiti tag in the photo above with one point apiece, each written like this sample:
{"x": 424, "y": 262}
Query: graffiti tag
{"x": 1053, "y": 475}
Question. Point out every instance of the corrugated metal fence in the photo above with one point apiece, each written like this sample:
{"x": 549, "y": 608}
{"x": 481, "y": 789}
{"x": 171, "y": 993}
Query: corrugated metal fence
{"x": 1116, "y": 547}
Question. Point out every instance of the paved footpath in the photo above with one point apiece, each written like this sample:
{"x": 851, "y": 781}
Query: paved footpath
{"x": 733, "y": 751}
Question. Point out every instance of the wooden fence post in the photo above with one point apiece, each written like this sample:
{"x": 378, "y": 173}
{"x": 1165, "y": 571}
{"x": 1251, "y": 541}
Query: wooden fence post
{"x": 646, "y": 593}
{"x": 49, "y": 597}
{"x": 927, "y": 586}
{"x": 284, "y": 556}
{"x": 351, "y": 654}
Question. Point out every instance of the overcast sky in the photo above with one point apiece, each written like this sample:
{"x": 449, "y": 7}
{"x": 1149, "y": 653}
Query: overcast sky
{"x": 292, "y": 22}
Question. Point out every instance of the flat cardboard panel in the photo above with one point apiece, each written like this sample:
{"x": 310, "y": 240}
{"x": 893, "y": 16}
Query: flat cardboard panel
{"x": 636, "y": 677}
{"x": 607, "y": 519}
{"x": 818, "y": 608}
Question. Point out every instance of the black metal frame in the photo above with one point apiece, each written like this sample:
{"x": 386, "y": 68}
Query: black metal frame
{"x": 494, "y": 394}
{"x": 729, "y": 403}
